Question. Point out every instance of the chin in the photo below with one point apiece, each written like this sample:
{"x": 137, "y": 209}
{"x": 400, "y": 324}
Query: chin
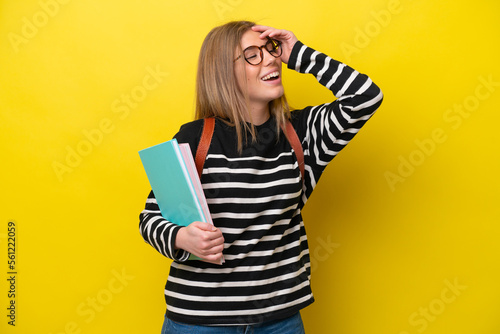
{"x": 277, "y": 93}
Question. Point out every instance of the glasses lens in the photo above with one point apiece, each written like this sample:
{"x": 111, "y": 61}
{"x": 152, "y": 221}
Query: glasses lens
{"x": 274, "y": 47}
{"x": 252, "y": 55}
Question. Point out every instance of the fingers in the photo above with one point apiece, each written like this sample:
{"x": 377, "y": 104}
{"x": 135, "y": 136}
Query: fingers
{"x": 260, "y": 28}
{"x": 207, "y": 234}
{"x": 212, "y": 243}
{"x": 213, "y": 252}
{"x": 215, "y": 259}
{"x": 280, "y": 34}
{"x": 264, "y": 30}
{"x": 207, "y": 242}
{"x": 287, "y": 39}
{"x": 204, "y": 226}
{"x": 269, "y": 32}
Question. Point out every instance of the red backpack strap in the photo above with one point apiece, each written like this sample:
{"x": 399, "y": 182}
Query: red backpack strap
{"x": 204, "y": 144}
{"x": 294, "y": 140}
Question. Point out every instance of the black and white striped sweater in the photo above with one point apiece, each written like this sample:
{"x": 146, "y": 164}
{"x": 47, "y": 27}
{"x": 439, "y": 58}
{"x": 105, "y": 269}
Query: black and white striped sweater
{"x": 256, "y": 198}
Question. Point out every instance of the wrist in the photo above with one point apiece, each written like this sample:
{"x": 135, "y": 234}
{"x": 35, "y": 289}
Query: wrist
{"x": 293, "y": 58}
{"x": 179, "y": 238}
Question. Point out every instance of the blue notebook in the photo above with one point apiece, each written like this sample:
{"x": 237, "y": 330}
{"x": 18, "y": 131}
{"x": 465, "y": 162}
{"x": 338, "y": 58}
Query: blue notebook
{"x": 173, "y": 177}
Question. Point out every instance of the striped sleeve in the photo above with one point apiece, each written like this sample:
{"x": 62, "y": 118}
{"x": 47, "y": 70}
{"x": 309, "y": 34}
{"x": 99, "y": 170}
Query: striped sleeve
{"x": 159, "y": 232}
{"x": 326, "y": 129}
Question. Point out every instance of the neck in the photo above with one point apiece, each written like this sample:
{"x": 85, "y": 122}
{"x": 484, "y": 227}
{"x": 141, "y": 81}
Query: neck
{"x": 259, "y": 114}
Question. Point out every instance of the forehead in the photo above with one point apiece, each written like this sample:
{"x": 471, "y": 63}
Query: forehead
{"x": 250, "y": 38}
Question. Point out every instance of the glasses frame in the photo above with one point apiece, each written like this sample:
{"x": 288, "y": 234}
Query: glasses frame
{"x": 275, "y": 43}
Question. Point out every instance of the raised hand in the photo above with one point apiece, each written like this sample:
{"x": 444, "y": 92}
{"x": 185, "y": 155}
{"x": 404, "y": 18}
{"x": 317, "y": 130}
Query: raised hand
{"x": 287, "y": 39}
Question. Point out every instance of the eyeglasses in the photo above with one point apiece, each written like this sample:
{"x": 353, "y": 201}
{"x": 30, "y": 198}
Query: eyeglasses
{"x": 254, "y": 55}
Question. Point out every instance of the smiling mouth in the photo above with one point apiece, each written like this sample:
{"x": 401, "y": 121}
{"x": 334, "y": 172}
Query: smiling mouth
{"x": 271, "y": 76}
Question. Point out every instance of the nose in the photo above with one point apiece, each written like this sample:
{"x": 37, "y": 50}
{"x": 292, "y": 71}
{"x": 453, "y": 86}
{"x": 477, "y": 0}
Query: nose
{"x": 269, "y": 59}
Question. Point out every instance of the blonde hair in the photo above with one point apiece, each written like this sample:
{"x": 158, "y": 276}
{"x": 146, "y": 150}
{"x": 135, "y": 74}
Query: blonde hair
{"x": 217, "y": 91}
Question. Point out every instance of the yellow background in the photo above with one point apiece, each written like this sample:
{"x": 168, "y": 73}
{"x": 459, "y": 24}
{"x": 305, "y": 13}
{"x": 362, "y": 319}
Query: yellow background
{"x": 407, "y": 209}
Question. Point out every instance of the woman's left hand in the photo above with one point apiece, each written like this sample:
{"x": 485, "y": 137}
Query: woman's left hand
{"x": 287, "y": 39}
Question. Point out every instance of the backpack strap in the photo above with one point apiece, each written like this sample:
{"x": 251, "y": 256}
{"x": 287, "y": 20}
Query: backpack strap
{"x": 204, "y": 144}
{"x": 294, "y": 141}
{"x": 208, "y": 131}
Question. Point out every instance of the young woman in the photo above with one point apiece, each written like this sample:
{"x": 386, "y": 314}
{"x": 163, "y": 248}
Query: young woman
{"x": 253, "y": 183}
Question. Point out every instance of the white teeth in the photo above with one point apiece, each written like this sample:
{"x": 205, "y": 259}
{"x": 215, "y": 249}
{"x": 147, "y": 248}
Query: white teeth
{"x": 271, "y": 75}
